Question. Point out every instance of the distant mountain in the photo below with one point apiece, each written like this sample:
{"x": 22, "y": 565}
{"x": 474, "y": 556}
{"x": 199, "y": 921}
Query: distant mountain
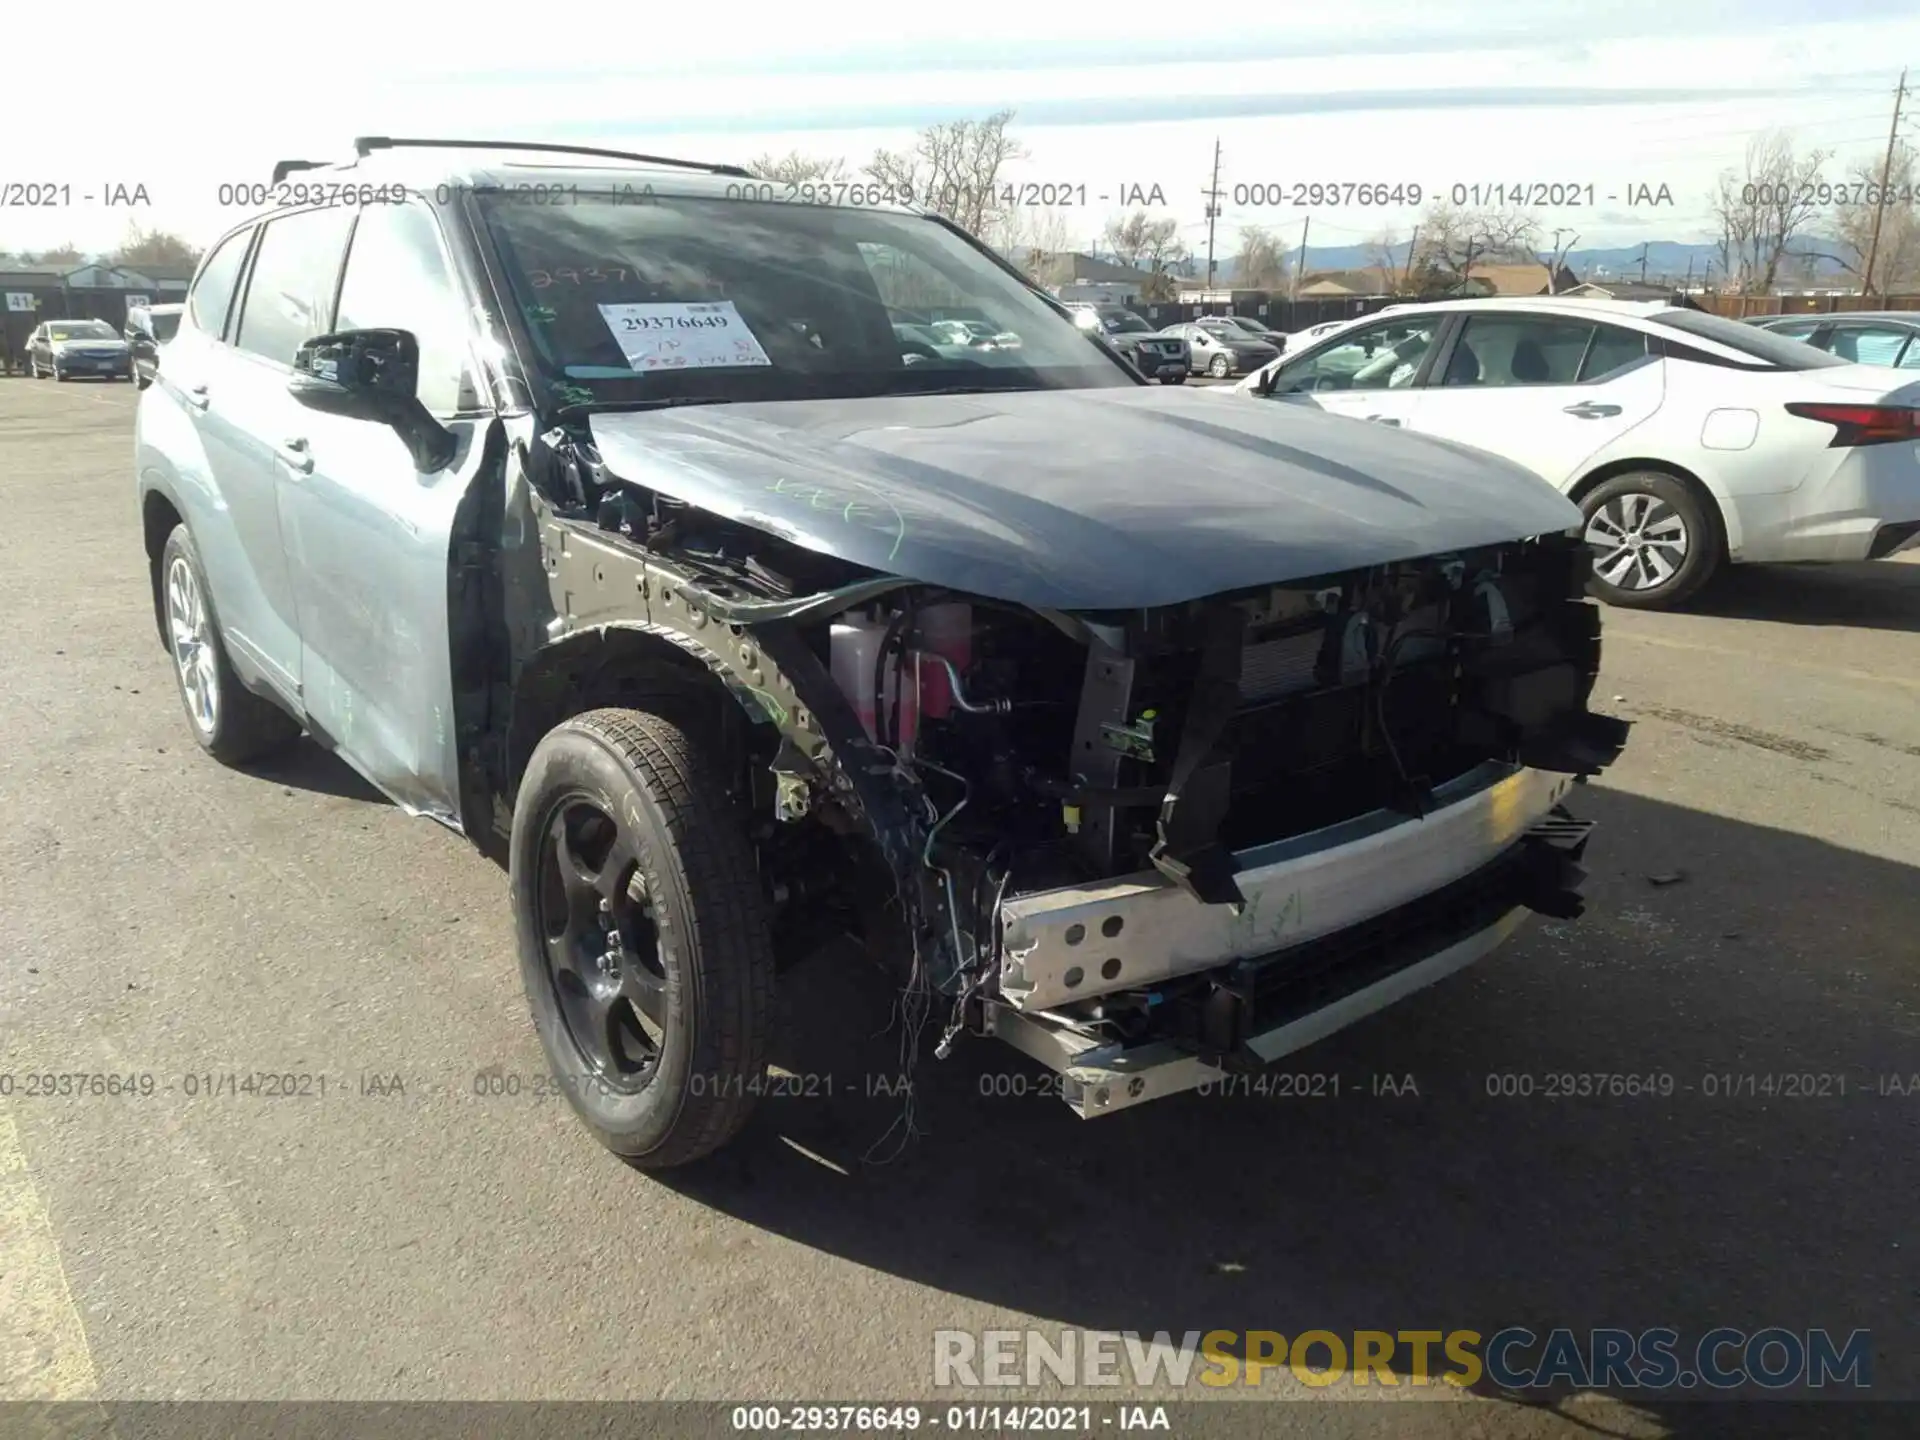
{"x": 1667, "y": 260}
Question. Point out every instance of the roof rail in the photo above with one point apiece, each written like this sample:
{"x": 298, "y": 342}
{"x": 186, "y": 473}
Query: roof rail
{"x": 284, "y": 168}
{"x": 365, "y": 144}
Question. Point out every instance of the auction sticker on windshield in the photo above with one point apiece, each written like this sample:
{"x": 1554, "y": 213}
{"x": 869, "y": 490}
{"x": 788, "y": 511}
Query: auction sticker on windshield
{"x": 683, "y": 335}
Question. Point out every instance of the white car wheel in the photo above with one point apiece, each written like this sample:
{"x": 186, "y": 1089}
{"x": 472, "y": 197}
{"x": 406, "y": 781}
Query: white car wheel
{"x": 1654, "y": 542}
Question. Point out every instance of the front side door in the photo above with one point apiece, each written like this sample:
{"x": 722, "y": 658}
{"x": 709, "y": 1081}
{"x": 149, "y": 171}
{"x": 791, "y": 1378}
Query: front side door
{"x": 367, "y": 533}
{"x": 246, "y": 420}
{"x": 1368, "y": 373}
{"x": 1546, "y": 391}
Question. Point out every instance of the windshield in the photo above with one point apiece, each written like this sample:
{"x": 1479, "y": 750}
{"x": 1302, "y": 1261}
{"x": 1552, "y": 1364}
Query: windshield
{"x": 697, "y": 298}
{"x": 82, "y": 330}
{"x": 1783, "y": 352}
{"x": 1125, "y": 322}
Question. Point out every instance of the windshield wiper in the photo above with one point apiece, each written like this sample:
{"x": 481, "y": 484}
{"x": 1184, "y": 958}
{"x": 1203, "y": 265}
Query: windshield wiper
{"x": 584, "y": 408}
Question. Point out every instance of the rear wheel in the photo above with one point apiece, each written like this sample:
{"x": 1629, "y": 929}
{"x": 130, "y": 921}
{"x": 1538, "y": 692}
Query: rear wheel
{"x": 1654, "y": 541}
{"x": 229, "y": 721}
{"x": 1219, "y": 366}
{"x": 645, "y": 945}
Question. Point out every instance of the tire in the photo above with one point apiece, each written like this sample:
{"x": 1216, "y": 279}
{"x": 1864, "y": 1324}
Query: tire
{"x": 1179, "y": 379}
{"x": 1688, "y": 543}
{"x": 237, "y": 725}
{"x": 58, "y": 376}
{"x": 1219, "y": 367}
{"x": 660, "y": 854}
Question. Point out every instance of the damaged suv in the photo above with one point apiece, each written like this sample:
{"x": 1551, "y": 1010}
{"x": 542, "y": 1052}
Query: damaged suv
{"x": 604, "y": 509}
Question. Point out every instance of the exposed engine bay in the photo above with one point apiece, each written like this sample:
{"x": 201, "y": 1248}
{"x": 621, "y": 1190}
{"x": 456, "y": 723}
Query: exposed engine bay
{"x": 1037, "y": 783}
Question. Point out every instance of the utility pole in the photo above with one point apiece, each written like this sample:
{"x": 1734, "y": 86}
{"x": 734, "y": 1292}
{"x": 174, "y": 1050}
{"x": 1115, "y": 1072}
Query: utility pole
{"x": 1213, "y": 210}
{"x": 1886, "y": 169}
{"x": 1689, "y": 289}
{"x": 1406, "y": 282}
{"x": 1643, "y": 262}
{"x": 1300, "y": 265}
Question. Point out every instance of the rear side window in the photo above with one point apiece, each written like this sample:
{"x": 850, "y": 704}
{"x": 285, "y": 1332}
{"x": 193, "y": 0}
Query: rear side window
{"x": 1762, "y": 347}
{"x": 289, "y": 296}
{"x": 1612, "y": 351}
{"x": 213, "y": 290}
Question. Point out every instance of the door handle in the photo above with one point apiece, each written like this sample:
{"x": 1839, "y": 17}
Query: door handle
{"x": 295, "y": 455}
{"x": 1591, "y": 410}
{"x": 1383, "y": 419}
{"x": 197, "y": 397}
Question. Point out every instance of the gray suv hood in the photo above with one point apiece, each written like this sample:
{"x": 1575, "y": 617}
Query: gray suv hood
{"x": 1099, "y": 499}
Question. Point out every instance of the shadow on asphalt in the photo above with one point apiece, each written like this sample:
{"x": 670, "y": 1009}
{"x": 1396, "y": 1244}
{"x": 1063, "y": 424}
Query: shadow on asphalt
{"x": 306, "y": 765}
{"x": 1865, "y": 594}
{"x": 1778, "y": 954}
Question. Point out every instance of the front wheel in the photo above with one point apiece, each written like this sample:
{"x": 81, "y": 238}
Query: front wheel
{"x": 1179, "y": 379}
{"x": 645, "y": 945}
{"x": 1654, "y": 541}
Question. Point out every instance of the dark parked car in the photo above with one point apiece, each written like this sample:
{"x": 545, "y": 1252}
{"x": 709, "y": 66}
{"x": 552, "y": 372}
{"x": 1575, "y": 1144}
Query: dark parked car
{"x": 68, "y": 348}
{"x": 1156, "y": 355}
{"x": 1866, "y": 337}
{"x": 148, "y": 328}
{"x": 1153, "y": 736}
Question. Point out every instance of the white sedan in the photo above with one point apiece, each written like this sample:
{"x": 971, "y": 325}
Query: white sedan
{"x": 1688, "y": 441}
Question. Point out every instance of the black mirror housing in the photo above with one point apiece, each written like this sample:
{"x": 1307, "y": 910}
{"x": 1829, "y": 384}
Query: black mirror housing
{"x": 372, "y": 375}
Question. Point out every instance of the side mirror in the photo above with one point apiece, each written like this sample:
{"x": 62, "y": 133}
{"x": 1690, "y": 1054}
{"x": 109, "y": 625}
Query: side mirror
{"x": 1269, "y": 380}
{"x": 372, "y": 375}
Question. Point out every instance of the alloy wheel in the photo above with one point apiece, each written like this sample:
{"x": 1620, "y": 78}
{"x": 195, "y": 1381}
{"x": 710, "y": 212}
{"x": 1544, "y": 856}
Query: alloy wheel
{"x": 190, "y": 631}
{"x": 601, "y": 948}
{"x": 1639, "y": 541}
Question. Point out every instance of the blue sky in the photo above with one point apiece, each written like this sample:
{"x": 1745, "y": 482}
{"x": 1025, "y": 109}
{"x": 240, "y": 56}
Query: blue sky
{"x": 1616, "y": 93}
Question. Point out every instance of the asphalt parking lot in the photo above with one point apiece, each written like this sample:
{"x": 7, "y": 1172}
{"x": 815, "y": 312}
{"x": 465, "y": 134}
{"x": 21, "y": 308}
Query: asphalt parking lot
{"x": 1755, "y": 912}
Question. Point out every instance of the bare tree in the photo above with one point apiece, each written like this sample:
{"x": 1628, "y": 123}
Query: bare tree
{"x": 1557, "y": 258}
{"x": 1764, "y": 208}
{"x": 1261, "y": 263}
{"x": 65, "y": 254}
{"x": 795, "y": 167}
{"x": 1453, "y": 241}
{"x": 1144, "y": 243}
{"x": 1380, "y": 260}
{"x": 154, "y": 247}
{"x": 1034, "y": 238}
{"x": 1896, "y": 267}
{"x": 954, "y": 168}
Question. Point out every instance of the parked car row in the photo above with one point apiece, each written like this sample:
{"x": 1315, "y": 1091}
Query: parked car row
{"x": 1689, "y": 441}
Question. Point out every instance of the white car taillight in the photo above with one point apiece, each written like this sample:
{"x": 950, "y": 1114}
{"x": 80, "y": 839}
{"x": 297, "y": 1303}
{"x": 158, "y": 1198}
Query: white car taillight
{"x": 1861, "y": 424}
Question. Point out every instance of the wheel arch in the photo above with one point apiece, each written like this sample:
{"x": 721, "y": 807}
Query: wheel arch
{"x": 159, "y": 514}
{"x": 1714, "y": 500}
{"x": 627, "y": 664}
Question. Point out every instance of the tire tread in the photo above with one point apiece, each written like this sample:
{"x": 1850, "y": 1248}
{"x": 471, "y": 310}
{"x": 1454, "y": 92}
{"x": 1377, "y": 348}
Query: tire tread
{"x": 727, "y": 942}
